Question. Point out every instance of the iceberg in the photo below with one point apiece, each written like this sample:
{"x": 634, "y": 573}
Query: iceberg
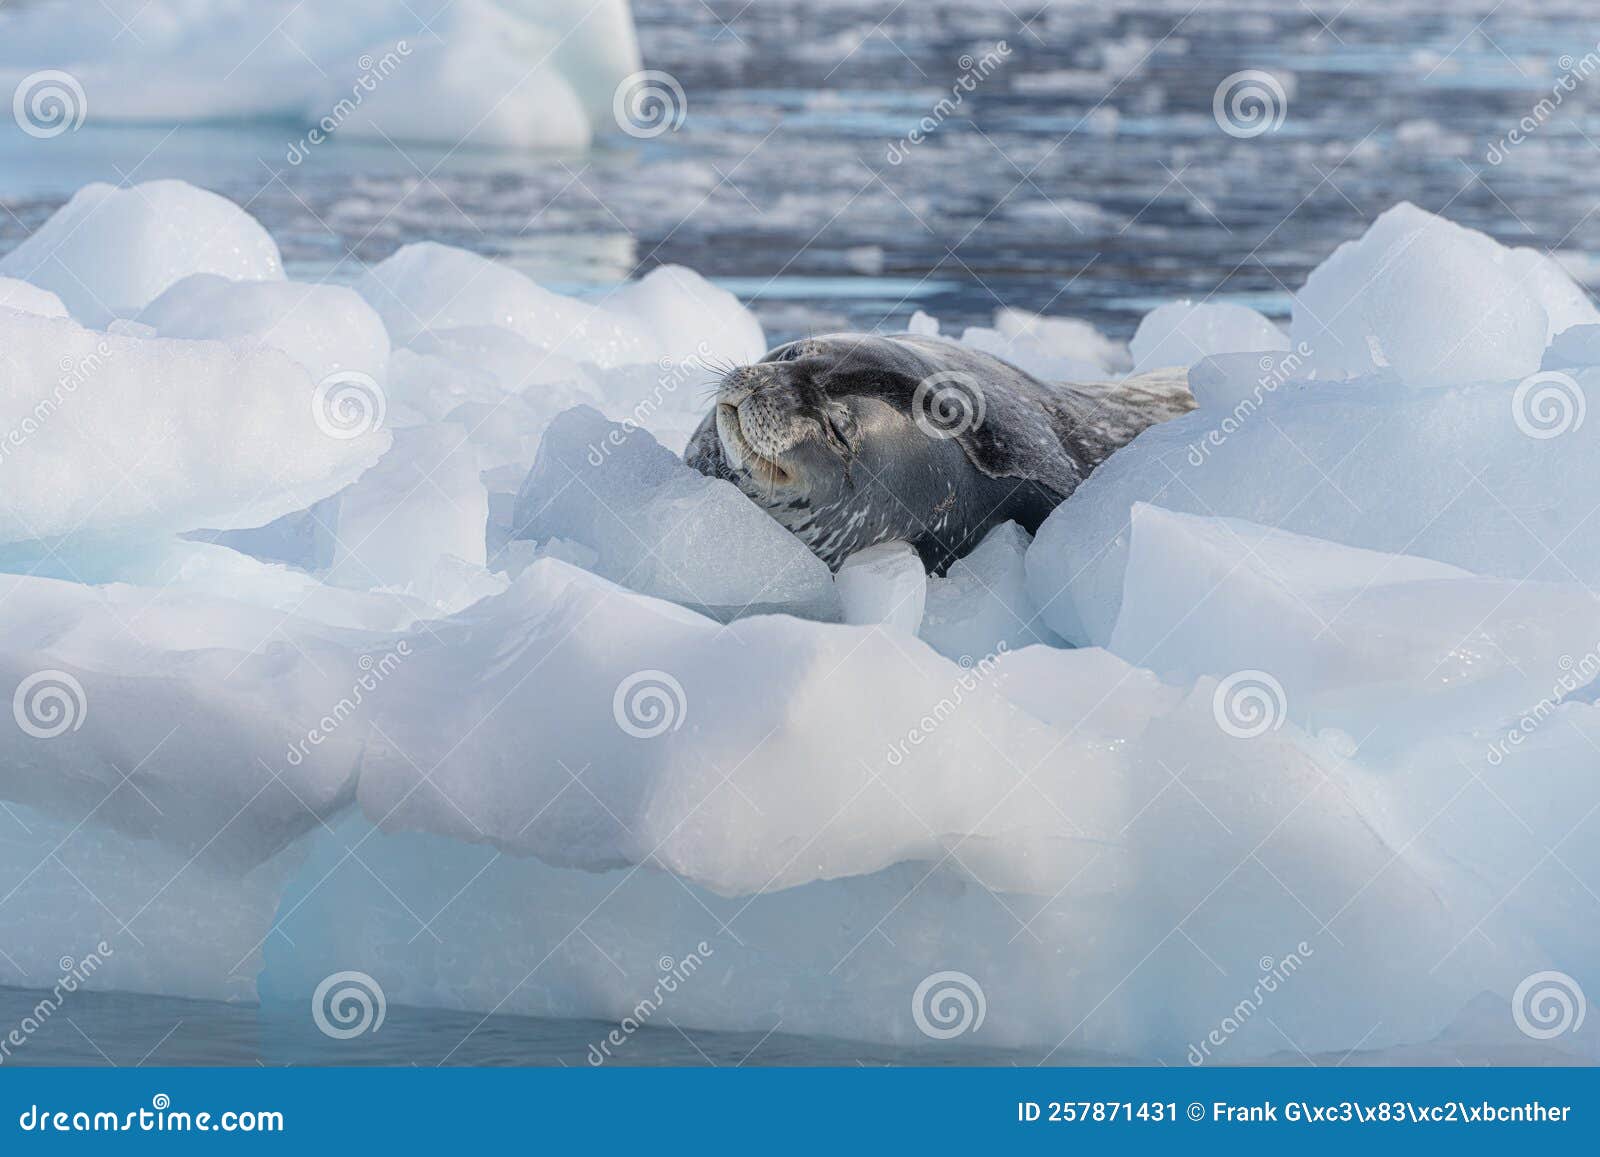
{"x": 490, "y": 73}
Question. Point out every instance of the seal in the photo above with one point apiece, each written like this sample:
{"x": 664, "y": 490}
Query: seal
{"x": 854, "y": 439}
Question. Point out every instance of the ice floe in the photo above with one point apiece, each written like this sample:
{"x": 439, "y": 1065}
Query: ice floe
{"x": 385, "y": 629}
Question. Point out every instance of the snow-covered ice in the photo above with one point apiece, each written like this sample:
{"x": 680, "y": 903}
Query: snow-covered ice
{"x": 326, "y": 328}
{"x": 110, "y": 252}
{"x": 663, "y": 528}
{"x": 119, "y": 436}
{"x": 26, "y": 298}
{"x": 1052, "y": 348}
{"x": 423, "y": 507}
{"x": 670, "y": 315}
{"x": 1438, "y": 303}
{"x": 1332, "y": 695}
{"x": 1351, "y": 636}
{"x": 884, "y": 585}
{"x": 1180, "y": 333}
{"x": 1458, "y": 474}
{"x": 981, "y": 604}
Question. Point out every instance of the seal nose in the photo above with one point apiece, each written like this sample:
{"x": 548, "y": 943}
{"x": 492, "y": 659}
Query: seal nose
{"x": 736, "y": 387}
{"x": 755, "y": 423}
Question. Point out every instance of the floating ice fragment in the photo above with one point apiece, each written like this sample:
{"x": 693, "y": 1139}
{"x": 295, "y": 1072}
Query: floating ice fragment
{"x": 109, "y": 252}
{"x": 659, "y": 527}
{"x": 884, "y": 585}
{"x": 1181, "y": 333}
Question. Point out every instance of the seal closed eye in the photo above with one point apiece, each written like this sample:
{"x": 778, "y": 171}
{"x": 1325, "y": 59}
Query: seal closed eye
{"x": 855, "y": 439}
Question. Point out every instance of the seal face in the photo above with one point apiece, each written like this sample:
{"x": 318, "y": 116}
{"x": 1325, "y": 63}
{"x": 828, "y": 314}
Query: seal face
{"x": 854, "y": 439}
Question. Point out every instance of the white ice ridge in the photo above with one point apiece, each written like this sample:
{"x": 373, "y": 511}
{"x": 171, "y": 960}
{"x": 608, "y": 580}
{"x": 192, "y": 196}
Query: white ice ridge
{"x": 506, "y": 73}
{"x": 384, "y": 628}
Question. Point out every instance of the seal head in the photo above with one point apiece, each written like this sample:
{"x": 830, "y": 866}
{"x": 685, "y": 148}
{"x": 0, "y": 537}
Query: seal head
{"x": 854, "y": 439}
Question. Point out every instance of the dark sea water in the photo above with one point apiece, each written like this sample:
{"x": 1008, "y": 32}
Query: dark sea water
{"x": 1086, "y": 176}
{"x": 123, "y": 1030}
